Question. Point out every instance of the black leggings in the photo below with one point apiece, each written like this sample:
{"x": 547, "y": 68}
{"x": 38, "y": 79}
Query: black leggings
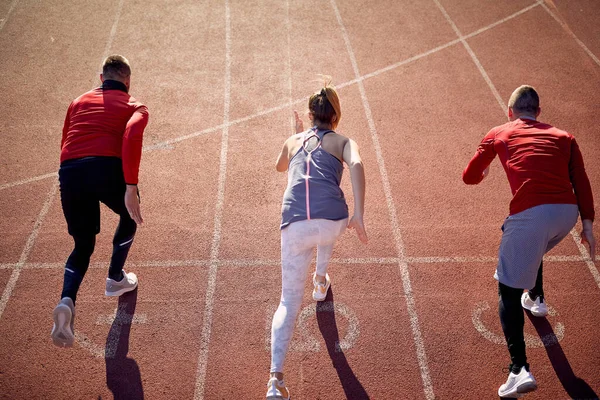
{"x": 512, "y": 319}
{"x": 84, "y": 184}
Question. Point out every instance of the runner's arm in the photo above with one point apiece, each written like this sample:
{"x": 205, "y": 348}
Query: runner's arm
{"x": 132, "y": 144}
{"x": 478, "y": 167}
{"x": 283, "y": 159}
{"x": 66, "y": 126}
{"x": 351, "y": 156}
{"x": 585, "y": 198}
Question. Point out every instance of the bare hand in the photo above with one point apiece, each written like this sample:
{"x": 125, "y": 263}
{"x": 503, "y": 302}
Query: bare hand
{"x": 357, "y": 224}
{"x": 587, "y": 237}
{"x": 299, "y": 125}
{"x": 132, "y": 202}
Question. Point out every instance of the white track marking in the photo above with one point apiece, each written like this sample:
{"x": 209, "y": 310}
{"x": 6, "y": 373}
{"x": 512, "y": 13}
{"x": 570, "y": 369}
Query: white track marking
{"x": 570, "y": 33}
{"x": 530, "y": 340}
{"x": 304, "y": 341}
{"x": 586, "y": 256}
{"x": 214, "y": 251}
{"x": 113, "y": 31}
{"x": 248, "y": 263}
{"x": 28, "y": 180}
{"x": 166, "y": 144}
{"x": 403, "y": 266}
{"x": 473, "y": 56}
{"x": 503, "y": 20}
{"x": 10, "y": 10}
{"x": 12, "y": 282}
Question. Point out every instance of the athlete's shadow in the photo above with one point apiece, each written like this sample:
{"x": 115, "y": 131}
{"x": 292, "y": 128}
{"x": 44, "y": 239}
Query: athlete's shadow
{"x": 328, "y": 327}
{"x": 123, "y": 376}
{"x": 576, "y": 387}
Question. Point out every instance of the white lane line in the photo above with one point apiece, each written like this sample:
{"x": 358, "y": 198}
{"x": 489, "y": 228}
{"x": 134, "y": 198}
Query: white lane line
{"x": 570, "y": 33}
{"x": 12, "y": 282}
{"x": 410, "y": 302}
{"x": 167, "y": 143}
{"x": 28, "y": 180}
{"x": 288, "y": 65}
{"x": 214, "y": 251}
{"x": 503, "y": 20}
{"x": 274, "y": 262}
{"x": 586, "y": 256}
{"x": 113, "y": 31}
{"x": 10, "y": 10}
{"x": 473, "y": 56}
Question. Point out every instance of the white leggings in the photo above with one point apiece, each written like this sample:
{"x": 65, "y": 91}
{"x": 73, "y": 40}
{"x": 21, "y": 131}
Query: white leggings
{"x": 298, "y": 241}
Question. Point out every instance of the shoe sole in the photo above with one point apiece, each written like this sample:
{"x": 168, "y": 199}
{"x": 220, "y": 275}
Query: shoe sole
{"x": 120, "y": 291}
{"x": 534, "y": 313}
{"x": 325, "y": 296}
{"x": 522, "y": 389}
{"x": 62, "y": 335}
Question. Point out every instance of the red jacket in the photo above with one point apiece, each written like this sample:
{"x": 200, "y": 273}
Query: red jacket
{"x": 106, "y": 121}
{"x": 543, "y": 165}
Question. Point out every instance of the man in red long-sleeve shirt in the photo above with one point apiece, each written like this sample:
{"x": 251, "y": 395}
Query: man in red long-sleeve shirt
{"x": 550, "y": 189}
{"x": 100, "y": 156}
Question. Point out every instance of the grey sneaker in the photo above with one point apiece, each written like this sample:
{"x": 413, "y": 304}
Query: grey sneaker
{"x": 117, "y": 288}
{"x": 64, "y": 318}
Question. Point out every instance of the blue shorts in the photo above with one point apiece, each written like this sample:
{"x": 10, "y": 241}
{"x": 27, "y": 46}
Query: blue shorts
{"x": 527, "y": 236}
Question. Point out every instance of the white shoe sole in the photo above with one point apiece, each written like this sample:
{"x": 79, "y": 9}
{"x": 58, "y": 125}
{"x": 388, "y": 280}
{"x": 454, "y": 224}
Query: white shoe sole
{"x": 523, "y": 388}
{"x": 120, "y": 291}
{"x": 62, "y": 336}
{"x": 316, "y": 296}
{"x": 530, "y": 309}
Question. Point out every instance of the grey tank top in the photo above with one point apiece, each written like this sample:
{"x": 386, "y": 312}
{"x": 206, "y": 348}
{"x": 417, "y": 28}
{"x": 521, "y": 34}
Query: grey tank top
{"x": 314, "y": 178}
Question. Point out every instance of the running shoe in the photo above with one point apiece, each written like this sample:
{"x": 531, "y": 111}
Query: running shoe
{"x": 320, "y": 291}
{"x": 538, "y": 307}
{"x": 64, "y": 318}
{"x": 518, "y": 384}
{"x": 117, "y": 288}
{"x": 276, "y": 390}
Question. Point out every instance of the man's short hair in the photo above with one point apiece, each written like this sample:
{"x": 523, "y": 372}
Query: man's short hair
{"x": 524, "y": 100}
{"x": 116, "y": 67}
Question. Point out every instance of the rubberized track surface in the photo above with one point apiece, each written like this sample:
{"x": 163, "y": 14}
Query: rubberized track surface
{"x": 412, "y": 315}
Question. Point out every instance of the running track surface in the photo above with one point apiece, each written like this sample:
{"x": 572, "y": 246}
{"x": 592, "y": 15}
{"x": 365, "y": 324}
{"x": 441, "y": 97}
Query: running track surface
{"x": 412, "y": 315}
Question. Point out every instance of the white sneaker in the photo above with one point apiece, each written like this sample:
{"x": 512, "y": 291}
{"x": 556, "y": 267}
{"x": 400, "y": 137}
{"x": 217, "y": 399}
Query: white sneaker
{"x": 117, "y": 288}
{"x": 64, "y": 317}
{"x": 320, "y": 290}
{"x": 518, "y": 384}
{"x": 276, "y": 390}
{"x": 538, "y": 307}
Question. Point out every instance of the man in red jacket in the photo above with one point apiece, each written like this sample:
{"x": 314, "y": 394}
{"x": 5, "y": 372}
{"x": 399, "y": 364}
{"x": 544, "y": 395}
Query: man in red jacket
{"x": 99, "y": 162}
{"x": 550, "y": 190}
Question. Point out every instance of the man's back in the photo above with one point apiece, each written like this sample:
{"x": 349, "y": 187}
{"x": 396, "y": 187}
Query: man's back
{"x": 543, "y": 165}
{"x": 96, "y": 121}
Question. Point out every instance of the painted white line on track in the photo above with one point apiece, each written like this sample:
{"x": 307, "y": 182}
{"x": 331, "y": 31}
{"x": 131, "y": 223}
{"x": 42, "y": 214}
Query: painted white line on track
{"x": 403, "y": 266}
{"x": 570, "y": 33}
{"x": 503, "y": 20}
{"x": 10, "y": 10}
{"x": 28, "y": 180}
{"x": 472, "y": 54}
{"x": 12, "y": 282}
{"x": 113, "y": 32}
{"x": 214, "y": 251}
{"x": 531, "y": 341}
{"x": 166, "y": 144}
{"x": 274, "y": 262}
{"x": 589, "y": 262}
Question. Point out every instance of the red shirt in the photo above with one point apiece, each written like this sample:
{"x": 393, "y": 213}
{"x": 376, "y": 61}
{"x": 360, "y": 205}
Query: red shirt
{"x": 108, "y": 122}
{"x": 543, "y": 165}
